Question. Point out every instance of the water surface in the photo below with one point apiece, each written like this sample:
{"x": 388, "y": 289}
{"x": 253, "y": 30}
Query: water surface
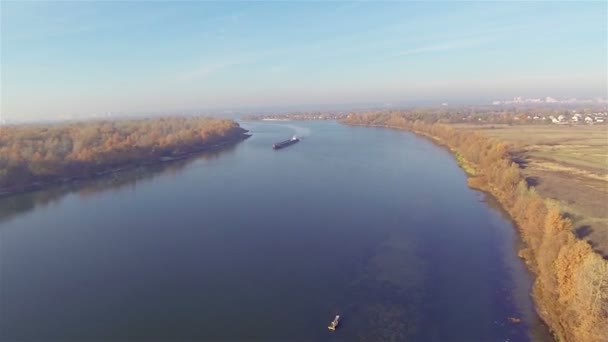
{"x": 255, "y": 244}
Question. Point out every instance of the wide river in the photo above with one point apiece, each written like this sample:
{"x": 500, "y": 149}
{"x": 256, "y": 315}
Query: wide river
{"x": 249, "y": 243}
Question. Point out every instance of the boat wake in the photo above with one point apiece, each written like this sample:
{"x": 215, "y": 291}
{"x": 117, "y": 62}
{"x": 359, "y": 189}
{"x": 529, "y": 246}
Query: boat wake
{"x": 299, "y": 131}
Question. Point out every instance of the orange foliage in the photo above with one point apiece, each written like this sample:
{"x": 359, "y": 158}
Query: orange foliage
{"x": 571, "y": 287}
{"x": 31, "y": 153}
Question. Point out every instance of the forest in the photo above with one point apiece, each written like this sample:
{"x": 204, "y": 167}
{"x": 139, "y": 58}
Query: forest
{"x": 31, "y": 155}
{"x": 571, "y": 285}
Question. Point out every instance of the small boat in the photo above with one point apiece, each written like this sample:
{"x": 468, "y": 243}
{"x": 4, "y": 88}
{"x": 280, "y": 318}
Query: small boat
{"x": 334, "y": 324}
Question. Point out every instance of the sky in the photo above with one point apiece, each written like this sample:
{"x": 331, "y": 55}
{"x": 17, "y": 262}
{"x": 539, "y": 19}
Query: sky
{"x": 77, "y": 59}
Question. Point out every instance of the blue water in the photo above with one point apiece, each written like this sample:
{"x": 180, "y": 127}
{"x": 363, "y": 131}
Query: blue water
{"x": 249, "y": 243}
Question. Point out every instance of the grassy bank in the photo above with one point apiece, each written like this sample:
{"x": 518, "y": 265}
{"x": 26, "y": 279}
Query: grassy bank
{"x": 568, "y": 164}
{"x": 571, "y": 284}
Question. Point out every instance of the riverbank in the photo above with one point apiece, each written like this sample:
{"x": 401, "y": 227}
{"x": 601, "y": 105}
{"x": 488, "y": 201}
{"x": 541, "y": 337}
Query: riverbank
{"x": 567, "y": 164}
{"x": 190, "y": 232}
{"x": 110, "y": 150}
{"x": 161, "y": 160}
{"x": 312, "y": 116}
{"x": 571, "y": 285}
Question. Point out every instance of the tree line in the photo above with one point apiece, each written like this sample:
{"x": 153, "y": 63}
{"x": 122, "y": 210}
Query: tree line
{"x": 484, "y": 115}
{"x": 571, "y": 285}
{"x": 31, "y": 154}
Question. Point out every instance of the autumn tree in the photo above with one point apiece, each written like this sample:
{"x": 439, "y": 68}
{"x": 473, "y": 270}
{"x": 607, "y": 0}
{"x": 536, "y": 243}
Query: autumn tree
{"x": 34, "y": 153}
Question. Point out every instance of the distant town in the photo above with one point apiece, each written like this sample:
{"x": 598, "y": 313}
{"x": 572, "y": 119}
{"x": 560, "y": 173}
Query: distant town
{"x": 549, "y": 100}
{"x": 542, "y": 115}
{"x": 598, "y": 117}
{"x": 548, "y": 110}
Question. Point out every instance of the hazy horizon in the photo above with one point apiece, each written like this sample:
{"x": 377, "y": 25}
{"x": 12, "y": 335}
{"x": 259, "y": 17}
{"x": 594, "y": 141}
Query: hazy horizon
{"x": 77, "y": 59}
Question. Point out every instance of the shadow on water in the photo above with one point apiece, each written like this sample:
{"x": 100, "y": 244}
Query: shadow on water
{"x": 538, "y": 330}
{"x": 18, "y": 204}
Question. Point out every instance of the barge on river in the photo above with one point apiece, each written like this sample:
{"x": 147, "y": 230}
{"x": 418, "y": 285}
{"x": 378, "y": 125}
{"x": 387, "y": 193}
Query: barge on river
{"x": 285, "y": 143}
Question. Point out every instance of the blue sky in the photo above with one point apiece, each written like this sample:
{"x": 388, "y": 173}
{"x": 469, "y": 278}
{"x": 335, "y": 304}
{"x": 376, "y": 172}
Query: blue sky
{"x": 66, "y": 59}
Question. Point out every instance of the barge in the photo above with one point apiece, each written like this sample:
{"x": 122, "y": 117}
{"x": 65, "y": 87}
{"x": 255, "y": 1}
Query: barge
{"x": 285, "y": 143}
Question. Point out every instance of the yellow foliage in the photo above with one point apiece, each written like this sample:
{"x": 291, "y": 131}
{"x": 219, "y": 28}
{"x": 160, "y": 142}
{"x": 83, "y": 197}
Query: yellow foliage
{"x": 30, "y": 153}
{"x": 571, "y": 288}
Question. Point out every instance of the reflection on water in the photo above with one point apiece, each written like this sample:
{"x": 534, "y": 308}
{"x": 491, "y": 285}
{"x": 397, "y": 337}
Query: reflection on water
{"x": 256, "y": 244}
{"x": 11, "y": 206}
{"x": 521, "y": 287}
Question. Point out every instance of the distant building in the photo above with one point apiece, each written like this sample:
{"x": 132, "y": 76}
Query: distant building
{"x": 601, "y": 100}
{"x": 549, "y": 99}
{"x": 588, "y": 119}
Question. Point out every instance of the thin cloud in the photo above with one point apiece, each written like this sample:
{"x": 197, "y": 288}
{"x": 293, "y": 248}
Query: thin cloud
{"x": 206, "y": 69}
{"x": 446, "y": 46}
{"x": 203, "y": 71}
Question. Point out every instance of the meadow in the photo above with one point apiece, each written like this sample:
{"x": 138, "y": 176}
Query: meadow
{"x": 568, "y": 164}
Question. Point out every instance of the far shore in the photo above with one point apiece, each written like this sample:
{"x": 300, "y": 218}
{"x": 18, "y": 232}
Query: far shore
{"x": 155, "y": 160}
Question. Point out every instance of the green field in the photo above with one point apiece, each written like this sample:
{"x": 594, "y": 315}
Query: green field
{"x": 568, "y": 164}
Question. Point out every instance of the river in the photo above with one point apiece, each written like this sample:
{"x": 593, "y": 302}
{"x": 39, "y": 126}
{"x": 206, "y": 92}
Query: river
{"x": 249, "y": 243}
